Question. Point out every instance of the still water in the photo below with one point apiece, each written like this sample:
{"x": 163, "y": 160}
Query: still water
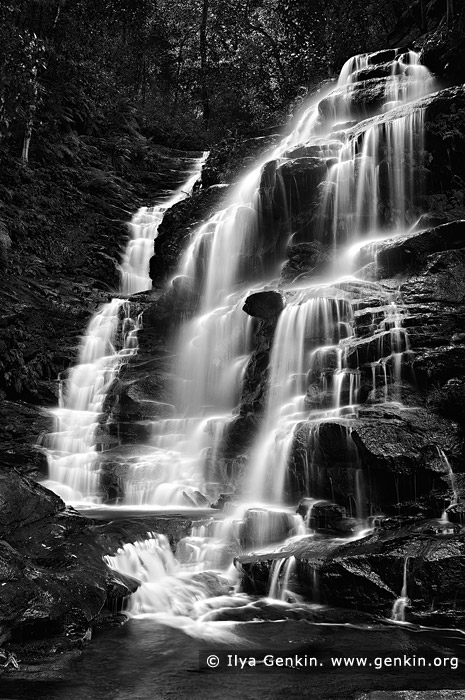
{"x": 146, "y": 660}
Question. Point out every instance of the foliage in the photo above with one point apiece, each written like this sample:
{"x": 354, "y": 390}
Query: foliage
{"x": 180, "y": 71}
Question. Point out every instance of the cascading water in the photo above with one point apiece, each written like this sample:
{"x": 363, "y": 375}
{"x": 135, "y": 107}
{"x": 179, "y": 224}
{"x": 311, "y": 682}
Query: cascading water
{"x": 314, "y": 373}
{"x": 360, "y": 198}
{"x": 110, "y": 339}
{"x": 398, "y": 609}
{"x": 73, "y": 449}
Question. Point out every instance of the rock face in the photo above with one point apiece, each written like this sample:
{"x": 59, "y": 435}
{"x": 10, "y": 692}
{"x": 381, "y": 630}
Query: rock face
{"x": 410, "y": 251}
{"x": 177, "y": 227}
{"x": 385, "y": 457}
{"x": 369, "y": 574}
{"x": 55, "y": 584}
{"x": 53, "y": 577}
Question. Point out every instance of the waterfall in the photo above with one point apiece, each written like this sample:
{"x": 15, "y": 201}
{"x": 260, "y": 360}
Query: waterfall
{"x": 280, "y": 573}
{"x": 366, "y": 194}
{"x": 110, "y": 339}
{"x": 452, "y": 478}
{"x": 398, "y": 609}
{"x": 367, "y": 178}
{"x": 73, "y": 447}
{"x": 360, "y": 164}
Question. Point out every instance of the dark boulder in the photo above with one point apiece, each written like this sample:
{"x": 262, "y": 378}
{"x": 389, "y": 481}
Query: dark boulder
{"x": 264, "y": 305}
{"x": 261, "y": 527}
{"x": 449, "y": 400}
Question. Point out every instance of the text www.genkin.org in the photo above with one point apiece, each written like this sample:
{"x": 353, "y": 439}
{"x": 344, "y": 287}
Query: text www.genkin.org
{"x": 231, "y": 662}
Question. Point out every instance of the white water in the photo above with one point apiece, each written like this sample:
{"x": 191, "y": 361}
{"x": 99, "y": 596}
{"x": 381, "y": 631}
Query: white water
{"x": 73, "y": 447}
{"x": 398, "y": 609}
{"x": 110, "y": 339}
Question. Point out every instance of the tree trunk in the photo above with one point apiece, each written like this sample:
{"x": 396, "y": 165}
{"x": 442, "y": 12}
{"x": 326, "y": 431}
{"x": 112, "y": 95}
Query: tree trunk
{"x": 450, "y": 12}
{"x": 203, "y": 64}
{"x": 31, "y": 110}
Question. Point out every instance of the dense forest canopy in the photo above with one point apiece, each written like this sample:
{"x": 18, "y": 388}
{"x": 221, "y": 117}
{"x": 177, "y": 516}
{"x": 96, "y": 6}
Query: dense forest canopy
{"x": 183, "y": 71}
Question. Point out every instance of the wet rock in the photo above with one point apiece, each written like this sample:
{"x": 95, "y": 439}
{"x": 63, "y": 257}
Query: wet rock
{"x": 378, "y": 70}
{"x": 232, "y": 157}
{"x": 379, "y": 57}
{"x": 216, "y": 584}
{"x": 407, "y": 251}
{"x": 324, "y": 149}
{"x": 52, "y": 574}
{"x": 53, "y": 579}
{"x": 439, "y": 281}
{"x": 449, "y": 400}
{"x": 177, "y": 227}
{"x": 376, "y": 461}
{"x": 120, "y": 586}
{"x": 261, "y": 527}
{"x": 360, "y": 100}
{"x": 23, "y": 501}
{"x": 143, "y": 399}
{"x": 265, "y": 305}
{"x": 294, "y": 186}
{"x": 22, "y": 426}
{"x": 239, "y": 432}
{"x": 374, "y": 347}
{"x": 225, "y": 501}
{"x": 368, "y": 574}
{"x": 438, "y": 365}
{"x": 113, "y": 534}
{"x": 253, "y": 397}
{"x": 194, "y": 498}
{"x": 328, "y": 518}
{"x": 304, "y": 258}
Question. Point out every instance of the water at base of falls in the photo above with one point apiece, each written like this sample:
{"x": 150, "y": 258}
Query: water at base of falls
{"x": 155, "y": 662}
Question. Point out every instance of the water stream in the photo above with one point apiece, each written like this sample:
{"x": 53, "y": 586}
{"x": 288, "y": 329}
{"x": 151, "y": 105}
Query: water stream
{"x": 109, "y": 340}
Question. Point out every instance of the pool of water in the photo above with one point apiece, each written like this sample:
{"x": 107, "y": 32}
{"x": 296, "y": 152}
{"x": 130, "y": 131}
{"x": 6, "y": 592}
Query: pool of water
{"x": 147, "y": 660}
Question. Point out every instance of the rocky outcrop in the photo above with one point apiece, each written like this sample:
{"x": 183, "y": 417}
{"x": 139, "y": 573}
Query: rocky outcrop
{"x": 22, "y": 427}
{"x": 387, "y": 459}
{"x": 364, "y": 99}
{"x": 54, "y": 581}
{"x": 409, "y": 251}
{"x": 368, "y": 574}
{"x": 178, "y": 226}
{"x": 55, "y": 584}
